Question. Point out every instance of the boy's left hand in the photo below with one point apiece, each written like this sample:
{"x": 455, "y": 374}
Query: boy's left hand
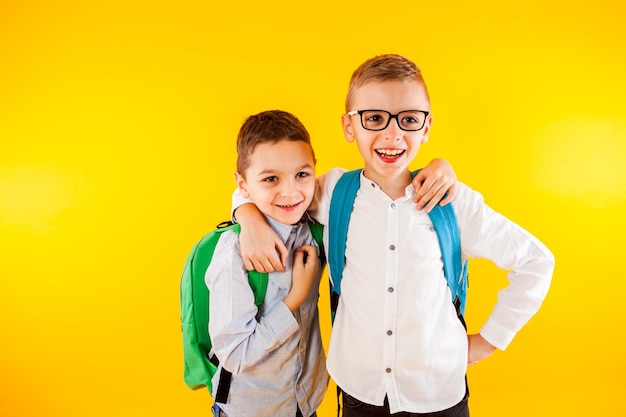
{"x": 306, "y": 268}
{"x": 478, "y": 348}
{"x": 432, "y": 183}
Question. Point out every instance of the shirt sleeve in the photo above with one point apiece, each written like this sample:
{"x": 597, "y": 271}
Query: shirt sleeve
{"x": 320, "y": 207}
{"x": 488, "y": 234}
{"x": 237, "y": 200}
{"x": 239, "y": 338}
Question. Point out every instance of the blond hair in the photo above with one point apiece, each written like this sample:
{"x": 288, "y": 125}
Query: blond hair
{"x": 388, "y": 67}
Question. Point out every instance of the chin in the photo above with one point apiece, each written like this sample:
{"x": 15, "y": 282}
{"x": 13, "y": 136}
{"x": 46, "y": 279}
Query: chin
{"x": 289, "y": 219}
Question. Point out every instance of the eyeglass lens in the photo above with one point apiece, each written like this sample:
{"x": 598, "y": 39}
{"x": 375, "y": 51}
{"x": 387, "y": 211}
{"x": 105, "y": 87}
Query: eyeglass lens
{"x": 410, "y": 120}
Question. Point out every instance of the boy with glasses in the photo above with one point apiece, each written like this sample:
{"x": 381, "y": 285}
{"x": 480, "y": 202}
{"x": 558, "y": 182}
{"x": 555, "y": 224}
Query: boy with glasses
{"x": 398, "y": 345}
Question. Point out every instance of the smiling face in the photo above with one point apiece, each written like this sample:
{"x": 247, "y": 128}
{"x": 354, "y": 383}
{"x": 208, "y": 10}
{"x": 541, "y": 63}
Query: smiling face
{"x": 387, "y": 153}
{"x": 280, "y": 179}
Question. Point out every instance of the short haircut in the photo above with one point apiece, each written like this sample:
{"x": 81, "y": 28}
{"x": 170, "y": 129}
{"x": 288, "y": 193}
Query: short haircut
{"x": 388, "y": 67}
{"x": 268, "y": 127}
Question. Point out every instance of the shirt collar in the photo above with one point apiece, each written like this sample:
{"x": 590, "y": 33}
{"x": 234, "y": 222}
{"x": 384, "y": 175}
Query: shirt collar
{"x": 284, "y": 230}
{"x": 369, "y": 187}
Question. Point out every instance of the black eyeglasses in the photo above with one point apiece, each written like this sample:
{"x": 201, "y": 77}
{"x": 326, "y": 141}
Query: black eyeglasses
{"x": 409, "y": 120}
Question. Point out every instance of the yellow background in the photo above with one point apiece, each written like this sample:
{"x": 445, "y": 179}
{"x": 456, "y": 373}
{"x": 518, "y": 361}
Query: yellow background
{"x": 117, "y": 145}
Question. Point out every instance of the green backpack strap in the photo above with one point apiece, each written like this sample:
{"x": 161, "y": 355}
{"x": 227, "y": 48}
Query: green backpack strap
{"x": 199, "y": 368}
{"x": 317, "y": 231}
{"x": 258, "y": 283}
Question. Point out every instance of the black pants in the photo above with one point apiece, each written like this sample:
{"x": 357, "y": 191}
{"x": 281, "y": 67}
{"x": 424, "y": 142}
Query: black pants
{"x": 355, "y": 408}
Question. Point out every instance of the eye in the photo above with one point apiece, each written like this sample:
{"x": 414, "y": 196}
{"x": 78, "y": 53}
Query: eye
{"x": 411, "y": 120}
{"x": 374, "y": 118}
{"x": 302, "y": 174}
{"x": 271, "y": 178}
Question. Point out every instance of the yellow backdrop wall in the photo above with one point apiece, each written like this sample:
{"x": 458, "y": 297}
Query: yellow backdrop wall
{"x": 117, "y": 128}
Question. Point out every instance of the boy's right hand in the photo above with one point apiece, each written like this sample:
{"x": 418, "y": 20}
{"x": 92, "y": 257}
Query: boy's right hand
{"x": 261, "y": 248}
{"x": 432, "y": 183}
{"x": 306, "y": 268}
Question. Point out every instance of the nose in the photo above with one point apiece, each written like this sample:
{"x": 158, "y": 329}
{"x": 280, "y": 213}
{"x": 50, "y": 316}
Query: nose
{"x": 288, "y": 188}
{"x": 393, "y": 131}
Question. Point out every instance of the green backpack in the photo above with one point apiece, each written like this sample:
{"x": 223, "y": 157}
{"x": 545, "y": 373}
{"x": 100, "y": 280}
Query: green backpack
{"x": 194, "y": 310}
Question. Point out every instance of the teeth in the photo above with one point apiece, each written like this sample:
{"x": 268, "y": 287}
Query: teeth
{"x": 390, "y": 152}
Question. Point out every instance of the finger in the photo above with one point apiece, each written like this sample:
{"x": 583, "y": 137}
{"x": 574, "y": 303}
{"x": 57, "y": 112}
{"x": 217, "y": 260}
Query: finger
{"x": 447, "y": 199}
{"x": 271, "y": 262}
{"x": 421, "y": 186}
{"x": 281, "y": 259}
{"x": 450, "y": 196}
{"x": 248, "y": 264}
{"x": 426, "y": 191}
{"x": 257, "y": 265}
{"x": 298, "y": 257}
{"x": 426, "y": 201}
{"x": 311, "y": 254}
{"x": 435, "y": 198}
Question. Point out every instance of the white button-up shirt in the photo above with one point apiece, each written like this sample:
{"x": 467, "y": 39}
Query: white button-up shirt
{"x": 396, "y": 332}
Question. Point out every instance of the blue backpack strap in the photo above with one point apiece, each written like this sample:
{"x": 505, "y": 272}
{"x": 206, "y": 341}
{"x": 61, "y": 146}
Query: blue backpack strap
{"x": 455, "y": 270}
{"x": 341, "y": 204}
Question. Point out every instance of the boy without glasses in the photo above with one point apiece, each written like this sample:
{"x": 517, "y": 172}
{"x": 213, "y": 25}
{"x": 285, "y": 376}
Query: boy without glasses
{"x": 398, "y": 345}
{"x": 274, "y": 353}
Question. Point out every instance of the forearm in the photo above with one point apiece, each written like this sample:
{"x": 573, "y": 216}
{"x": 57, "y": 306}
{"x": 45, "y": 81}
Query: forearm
{"x": 518, "y": 302}
{"x": 240, "y": 347}
{"x": 247, "y": 214}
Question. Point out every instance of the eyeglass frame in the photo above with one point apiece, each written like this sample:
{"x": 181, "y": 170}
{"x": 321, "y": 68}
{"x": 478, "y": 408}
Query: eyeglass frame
{"x": 391, "y": 116}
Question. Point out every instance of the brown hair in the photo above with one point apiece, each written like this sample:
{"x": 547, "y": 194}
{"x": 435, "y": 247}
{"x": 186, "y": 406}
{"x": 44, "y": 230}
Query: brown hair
{"x": 388, "y": 67}
{"x": 268, "y": 127}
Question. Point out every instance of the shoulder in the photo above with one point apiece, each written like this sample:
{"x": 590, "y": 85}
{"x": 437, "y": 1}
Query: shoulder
{"x": 467, "y": 199}
{"x": 328, "y": 180}
{"x": 227, "y": 254}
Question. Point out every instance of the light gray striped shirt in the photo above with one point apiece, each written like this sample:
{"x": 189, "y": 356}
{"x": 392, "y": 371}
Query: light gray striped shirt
{"x": 276, "y": 357}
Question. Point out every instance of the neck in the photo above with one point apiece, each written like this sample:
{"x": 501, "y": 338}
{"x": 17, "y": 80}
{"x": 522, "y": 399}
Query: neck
{"x": 394, "y": 186}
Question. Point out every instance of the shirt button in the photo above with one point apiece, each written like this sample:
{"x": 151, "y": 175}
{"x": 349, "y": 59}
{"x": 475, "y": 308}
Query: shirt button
{"x": 392, "y": 247}
{"x": 393, "y": 205}
{"x": 390, "y": 289}
{"x": 389, "y": 332}
{"x": 388, "y": 370}
{"x": 373, "y": 185}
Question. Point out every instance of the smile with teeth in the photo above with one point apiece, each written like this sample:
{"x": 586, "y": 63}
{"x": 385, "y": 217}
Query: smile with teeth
{"x": 390, "y": 153}
{"x": 287, "y": 206}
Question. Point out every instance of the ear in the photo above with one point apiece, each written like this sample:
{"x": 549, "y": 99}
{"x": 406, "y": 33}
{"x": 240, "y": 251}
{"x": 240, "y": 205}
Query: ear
{"x": 426, "y": 128}
{"x": 241, "y": 184}
{"x": 348, "y": 131}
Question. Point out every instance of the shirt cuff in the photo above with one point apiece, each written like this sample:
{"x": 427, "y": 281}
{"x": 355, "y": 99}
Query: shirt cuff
{"x": 497, "y": 335}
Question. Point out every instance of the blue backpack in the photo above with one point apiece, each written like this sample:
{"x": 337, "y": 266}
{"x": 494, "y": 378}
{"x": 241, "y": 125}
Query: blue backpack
{"x": 444, "y": 221}
{"x": 200, "y": 364}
